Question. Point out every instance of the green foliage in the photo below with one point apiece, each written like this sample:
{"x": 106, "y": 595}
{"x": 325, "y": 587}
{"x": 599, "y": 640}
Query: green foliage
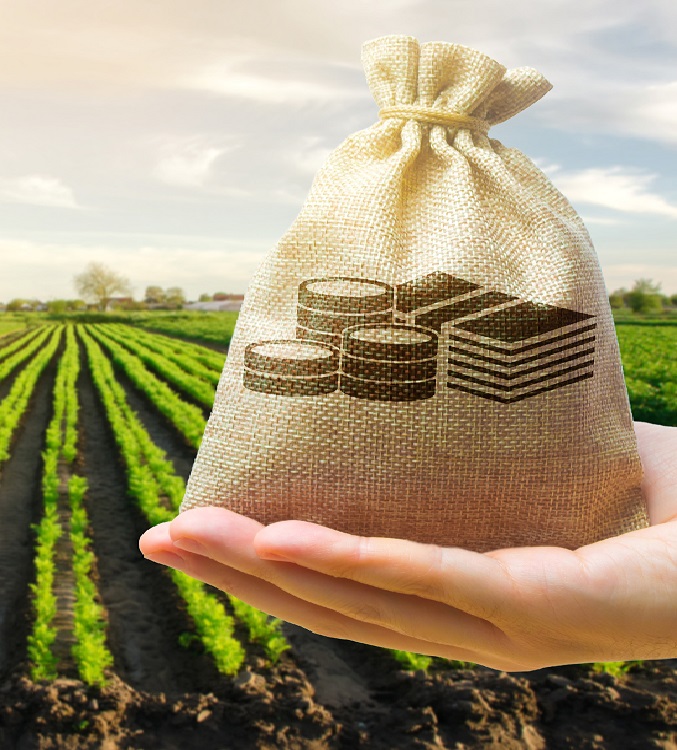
{"x": 170, "y": 368}
{"x": 214, "y": 626}
{"x": 409, "y": 660}
{"x": 644, "y": 299}
{"x": 15, "y": 344}
{"x": 644, "y": 304}
{"x": 16, "y": 401}
{"x": 262, "y": 629}
{"x": 615, "y": 668}
{"x": 20, "y": 354}
{"x": 196, "y": 360}
{"x": 158, "y": 493}
{"x": 89, "y": 649}
{"x": 10, "y": 324}
{"x": 89, "y": 624}
{"x": 43, "y": 635}
{"x": 649, "y": 356}
{"x": 207, "y": 327}
{"x": 187, "y": 419}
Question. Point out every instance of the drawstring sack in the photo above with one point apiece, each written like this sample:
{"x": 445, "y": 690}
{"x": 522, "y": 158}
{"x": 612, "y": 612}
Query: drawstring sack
{"x": 428, "y": 352}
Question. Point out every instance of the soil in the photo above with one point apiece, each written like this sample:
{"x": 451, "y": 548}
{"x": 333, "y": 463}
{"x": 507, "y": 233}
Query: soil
{"x": 323, "y": 694}
{"x": 20, "y": 506}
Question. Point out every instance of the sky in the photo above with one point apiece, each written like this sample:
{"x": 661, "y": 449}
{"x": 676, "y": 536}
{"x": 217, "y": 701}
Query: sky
{"x": 176, "y": 141}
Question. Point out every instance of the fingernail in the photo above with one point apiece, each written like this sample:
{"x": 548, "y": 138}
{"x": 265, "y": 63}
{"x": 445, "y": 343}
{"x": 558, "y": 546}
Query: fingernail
{"x": 190, "y": 545}
{"x": 167, "y": 558}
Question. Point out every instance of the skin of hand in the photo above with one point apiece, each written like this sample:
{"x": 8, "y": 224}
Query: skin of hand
{"x": 511, "y": 609}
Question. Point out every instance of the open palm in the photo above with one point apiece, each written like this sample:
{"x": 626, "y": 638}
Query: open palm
{"x": 511, "y": 609}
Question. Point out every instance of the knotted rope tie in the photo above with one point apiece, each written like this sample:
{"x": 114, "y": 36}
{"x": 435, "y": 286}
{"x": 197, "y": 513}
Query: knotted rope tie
{"x": 434, "y": 117}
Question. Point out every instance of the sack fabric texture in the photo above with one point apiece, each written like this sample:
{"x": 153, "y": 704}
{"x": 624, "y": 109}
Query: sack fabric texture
{"x": 428, "y": 352}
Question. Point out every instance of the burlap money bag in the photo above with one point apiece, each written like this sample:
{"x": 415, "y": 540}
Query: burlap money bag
{"x": 428, "y": 352}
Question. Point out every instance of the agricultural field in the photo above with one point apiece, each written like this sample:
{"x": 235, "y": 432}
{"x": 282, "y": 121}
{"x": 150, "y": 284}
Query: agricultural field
{"x": 99, "y": 648}
{"x": 210, "y": 329}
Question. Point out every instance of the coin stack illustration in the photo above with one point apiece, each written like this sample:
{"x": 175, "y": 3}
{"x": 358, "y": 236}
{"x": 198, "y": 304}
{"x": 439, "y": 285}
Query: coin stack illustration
{"x": 389, "y": 362}
{"x": 517, "y": 352}
{"x": 370, "y": 340}
{"x": 291, "y": 368}
{"x": 328, "y": 306}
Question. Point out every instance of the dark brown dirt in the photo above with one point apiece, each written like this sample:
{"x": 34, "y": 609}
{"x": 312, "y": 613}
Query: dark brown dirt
{"x": 274, "y": 709}
{"x": 20, "y": 506}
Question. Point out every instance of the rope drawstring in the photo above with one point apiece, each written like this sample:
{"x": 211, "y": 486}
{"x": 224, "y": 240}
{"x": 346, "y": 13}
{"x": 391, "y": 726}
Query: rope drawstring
{"x": 434, "y": 117}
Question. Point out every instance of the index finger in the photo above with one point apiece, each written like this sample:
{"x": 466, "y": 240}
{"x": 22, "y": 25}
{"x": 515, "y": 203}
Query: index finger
{"x": 470, "y": 581}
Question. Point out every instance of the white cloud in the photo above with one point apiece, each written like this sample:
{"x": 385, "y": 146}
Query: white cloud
{"x": 617, "y": 188}
{"x": 643, "y": 108}
{"x": 187, "y": 162}
{"x": 37, "y": 190}
{"x": 308, "y": 156}
{"x": 222, "y": 79}
{"x": 655, "y": 113}
{"x": 606, "y": 221}
{"x": 617, "y": 275}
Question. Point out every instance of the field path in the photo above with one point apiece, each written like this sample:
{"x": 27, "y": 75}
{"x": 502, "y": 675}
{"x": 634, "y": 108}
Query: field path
{"x": 20, "y": 506}
{"x": 64, "y": 581}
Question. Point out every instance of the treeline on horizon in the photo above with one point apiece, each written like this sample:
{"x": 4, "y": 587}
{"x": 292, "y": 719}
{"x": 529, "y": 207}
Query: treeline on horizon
{"x": 103, "y": 290}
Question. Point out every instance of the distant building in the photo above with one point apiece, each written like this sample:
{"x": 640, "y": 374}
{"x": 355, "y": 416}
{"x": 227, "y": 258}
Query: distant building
{"x": 231, "y": 305}
{"x": 116, "y": 303}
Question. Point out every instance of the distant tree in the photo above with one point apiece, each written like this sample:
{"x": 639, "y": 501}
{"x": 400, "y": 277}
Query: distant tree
{"x": 57, "y": 306}
{"x": 220, "y": 297}
{"x": 646, "y": 286}
{"x": 175, "y": 295}
{"x": 154, "y": 295}
{"x": 204, "y": 297}
{"x": 673, "y": 300}
{"x": 16, "y": 304}
{"x": 617, "y": 298}
{"x": 645, "y": 297}
{"x": 99, "y": 283}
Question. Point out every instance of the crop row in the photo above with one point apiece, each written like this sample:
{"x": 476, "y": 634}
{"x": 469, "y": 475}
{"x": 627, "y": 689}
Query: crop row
{"x": 163, "y": 364}
{"x": 15, "y": 403}
{"x": 18, "y": 343}
{"x": 195, "y": 360}
{"x": 187, "y": 418}
{"x": 17, "y": 357}
{"x": 61, "y": 487}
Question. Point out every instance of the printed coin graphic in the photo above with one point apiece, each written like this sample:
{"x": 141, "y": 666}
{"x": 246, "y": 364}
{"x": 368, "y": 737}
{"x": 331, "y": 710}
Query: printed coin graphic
{"x": 308, "y": 334}
{"x": 341, "y": 294}
{"x": 291, "y": 367}
{"x": 394, "y": 341}
{"x": 330, "y": 305}
{"x": 392, "y": 362}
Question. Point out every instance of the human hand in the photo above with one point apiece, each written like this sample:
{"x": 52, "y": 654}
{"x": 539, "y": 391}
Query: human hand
{"x": 511, "y": 609}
